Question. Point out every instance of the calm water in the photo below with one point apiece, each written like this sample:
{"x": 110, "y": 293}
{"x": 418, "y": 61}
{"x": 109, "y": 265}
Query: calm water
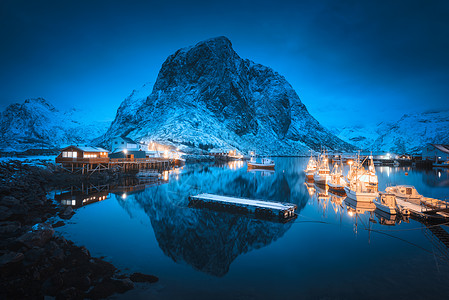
{"x": 335, "y": 249}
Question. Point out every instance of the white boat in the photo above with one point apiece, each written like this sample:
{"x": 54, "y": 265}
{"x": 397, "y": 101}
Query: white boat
{"x": 405, "y": 192}
{"x": 337, "y": 181}
{"x": 408, "y": 198}
{"x": 396, "y": 163}
{"x": 386, "y": 202}
{"x": 261, "y": 163}
{"x": 311, "y": 167}
{"x": 363, "y": 184}
{"x": 322, "y": 174}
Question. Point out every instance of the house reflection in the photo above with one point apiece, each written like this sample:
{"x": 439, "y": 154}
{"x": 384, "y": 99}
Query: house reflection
{"x": 88, "y": 193}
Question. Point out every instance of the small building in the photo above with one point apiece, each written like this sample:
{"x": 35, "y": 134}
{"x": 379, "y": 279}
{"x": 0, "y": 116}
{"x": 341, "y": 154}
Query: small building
{"x": 121, "y": 143}
{"x": 129, "y": 155}
{"x": 83, "y": 155}
{"x": 435, "y": 152}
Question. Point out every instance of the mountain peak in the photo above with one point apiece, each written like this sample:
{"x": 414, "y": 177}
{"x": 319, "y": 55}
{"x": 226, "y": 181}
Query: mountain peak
{"x": 207, "y": 94}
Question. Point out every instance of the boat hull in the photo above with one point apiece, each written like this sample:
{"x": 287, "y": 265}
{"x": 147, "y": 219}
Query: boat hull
{"x": 321, "y": 179}
{"x": 261, "y": 166}
{"x": 385, "y": 208}
{"x": 359, "y": 196}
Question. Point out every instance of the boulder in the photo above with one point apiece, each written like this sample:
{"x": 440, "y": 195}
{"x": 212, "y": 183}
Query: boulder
{"x": 38, "y": 236}
{"x": 11, "y": 258}
{"x": 9, "y": 227}
{"x": 10, "y": 201}
{"x": 5, "y": 213}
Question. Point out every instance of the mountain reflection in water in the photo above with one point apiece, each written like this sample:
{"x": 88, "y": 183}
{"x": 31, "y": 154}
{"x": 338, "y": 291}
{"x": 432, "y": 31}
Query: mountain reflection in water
{"x": 207, "y": 240}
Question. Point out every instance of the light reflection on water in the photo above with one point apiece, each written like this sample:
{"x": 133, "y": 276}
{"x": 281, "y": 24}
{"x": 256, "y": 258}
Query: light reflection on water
{"x": 336, "y": 248}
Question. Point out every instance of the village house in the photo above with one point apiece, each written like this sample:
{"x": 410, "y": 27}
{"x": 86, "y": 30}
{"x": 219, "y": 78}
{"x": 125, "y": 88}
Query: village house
{"x": 121, "y": 143}
{"x": 435, "y": 152}
{"x": 83, "y": 155}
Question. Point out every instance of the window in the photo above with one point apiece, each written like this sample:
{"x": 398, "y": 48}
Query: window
{"x": 123, "y": 143}
{"x": 69, "y": 154}
{"x": 116, "y": 142}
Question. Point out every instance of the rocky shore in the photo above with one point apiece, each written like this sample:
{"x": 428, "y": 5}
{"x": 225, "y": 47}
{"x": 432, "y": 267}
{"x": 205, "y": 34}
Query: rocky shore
{"x": 34, "y": 262}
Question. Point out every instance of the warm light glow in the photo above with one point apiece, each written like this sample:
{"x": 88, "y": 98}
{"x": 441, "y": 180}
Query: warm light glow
{"x": 350, "y": 162}
{"x": 350, "y": 213}
{"x": 125, "y": 151}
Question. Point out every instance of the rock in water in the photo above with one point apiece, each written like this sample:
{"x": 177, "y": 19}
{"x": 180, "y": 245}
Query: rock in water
{"x": 208, "y": 94}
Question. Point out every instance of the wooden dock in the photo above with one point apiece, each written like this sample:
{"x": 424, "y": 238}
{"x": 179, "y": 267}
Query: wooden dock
{"x": 424, "y": 210}
{"x": 260, "y": 208}
{"x": 91, "y": 165}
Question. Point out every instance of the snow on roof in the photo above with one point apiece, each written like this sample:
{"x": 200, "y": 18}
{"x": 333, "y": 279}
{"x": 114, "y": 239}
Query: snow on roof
{"x": 443, "y": 148}
{"x": 87, "y": 148}
{"x": 127, "y": 139}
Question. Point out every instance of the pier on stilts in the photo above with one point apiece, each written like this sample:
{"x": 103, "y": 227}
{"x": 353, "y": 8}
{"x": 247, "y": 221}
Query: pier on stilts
{"x": 260, "y": 208}
{"x": 91, "y": 165}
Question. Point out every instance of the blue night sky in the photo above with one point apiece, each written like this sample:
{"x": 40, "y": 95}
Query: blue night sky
{"x": 351, "y": 62}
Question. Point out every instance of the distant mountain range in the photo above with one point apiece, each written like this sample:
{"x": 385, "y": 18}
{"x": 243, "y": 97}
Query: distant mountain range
{"x": 207, "y": 94}
{"x": 407, "y": 135}
{"x": 37, "y": 124}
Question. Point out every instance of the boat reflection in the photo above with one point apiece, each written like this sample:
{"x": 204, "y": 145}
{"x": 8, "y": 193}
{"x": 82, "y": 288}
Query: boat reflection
{"x": 261, "y": 172}
{"x": 388, "y": 219}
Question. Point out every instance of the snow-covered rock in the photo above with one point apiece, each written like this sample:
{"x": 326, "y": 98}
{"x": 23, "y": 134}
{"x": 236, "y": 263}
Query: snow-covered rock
{"x": 207, "y": 94}
{"x": 38, "y": 124}
{"x": 408, "y": 135}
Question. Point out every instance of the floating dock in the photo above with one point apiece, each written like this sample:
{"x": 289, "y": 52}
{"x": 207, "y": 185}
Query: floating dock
{"x": 423, "y": 209}
{"x": 260, "y": 208}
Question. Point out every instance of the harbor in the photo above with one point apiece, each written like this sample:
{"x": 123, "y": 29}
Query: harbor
{"x": 186, "y": 242}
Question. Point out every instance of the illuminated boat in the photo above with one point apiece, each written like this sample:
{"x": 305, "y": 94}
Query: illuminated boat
{"x": 261, "y": 163}
{"x": 363, "y": 184}
{"x": 311, "y": 167}
{"x": 337, "y": 182}
{"x": 386, "y": 202}
{"x": 322, "y": 174}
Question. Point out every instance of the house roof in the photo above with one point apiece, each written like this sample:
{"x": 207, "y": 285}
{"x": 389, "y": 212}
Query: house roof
{"x": 127, "y": 139}
{"x": 443, "y": 148}
{"x": 86, "y": 148}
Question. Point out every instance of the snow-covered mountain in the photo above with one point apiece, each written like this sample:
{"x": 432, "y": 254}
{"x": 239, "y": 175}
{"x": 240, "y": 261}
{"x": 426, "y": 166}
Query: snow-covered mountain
{"x": 38, "y": 124}
{"x": 207, "y": 94}
{"x": 408, "y": 135}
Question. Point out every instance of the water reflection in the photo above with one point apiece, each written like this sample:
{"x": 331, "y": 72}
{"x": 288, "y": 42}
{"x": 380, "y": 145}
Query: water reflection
{"x": 176, "y": 241}
{"x": 208, "y": 240}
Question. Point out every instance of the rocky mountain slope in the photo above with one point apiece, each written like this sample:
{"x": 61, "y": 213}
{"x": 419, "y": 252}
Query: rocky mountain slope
{"x": 207, "y": 94}
{"x": 407, "y": 135}
{"x": 38, "y": 124}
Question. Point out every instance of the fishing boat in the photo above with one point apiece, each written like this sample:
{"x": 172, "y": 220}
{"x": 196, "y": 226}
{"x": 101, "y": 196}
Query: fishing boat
{"x": 337, "y": 181}
{"x": 261, "y": 163}
{"x": 386, "y": 202}
{"x": 408, "y": 198}
{"x": 322, "y": 174}
{"x": 363, "y": 184}
{"x": 311, "y": 167}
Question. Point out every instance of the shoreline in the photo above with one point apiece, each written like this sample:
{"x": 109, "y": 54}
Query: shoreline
{"x": 34, "y": 262}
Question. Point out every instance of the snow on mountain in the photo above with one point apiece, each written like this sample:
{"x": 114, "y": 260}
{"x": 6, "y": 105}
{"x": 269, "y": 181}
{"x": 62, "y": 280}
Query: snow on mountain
{"x": 412, "y": 132}
{"x": 362, "y": 137}
{"x": 38, "y": 124}
{"x": 408, "y": 135}
{"x": 207, "y": 94}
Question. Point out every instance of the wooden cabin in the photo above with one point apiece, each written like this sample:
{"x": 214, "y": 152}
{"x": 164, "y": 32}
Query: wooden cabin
{"x": 83, "y": 155}
{"x": 435, "y": 152}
